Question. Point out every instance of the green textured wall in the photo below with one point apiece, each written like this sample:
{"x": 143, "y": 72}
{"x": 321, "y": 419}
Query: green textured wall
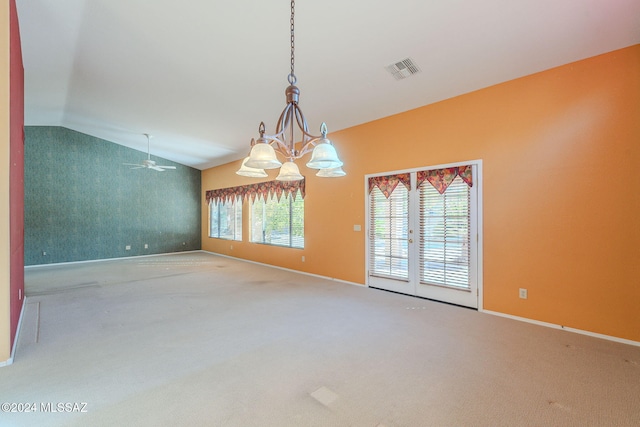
{"x": 82, "y": 203}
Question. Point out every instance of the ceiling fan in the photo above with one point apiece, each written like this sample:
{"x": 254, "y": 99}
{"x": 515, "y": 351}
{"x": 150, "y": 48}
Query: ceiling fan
{"x": 148, "y": 163}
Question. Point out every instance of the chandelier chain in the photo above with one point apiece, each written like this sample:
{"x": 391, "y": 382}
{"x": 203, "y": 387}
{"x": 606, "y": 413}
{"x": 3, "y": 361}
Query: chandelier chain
{"x": 292, "y": 76}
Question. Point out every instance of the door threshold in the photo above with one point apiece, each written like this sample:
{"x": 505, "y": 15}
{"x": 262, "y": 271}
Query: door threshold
{"x": 424, "y": 298}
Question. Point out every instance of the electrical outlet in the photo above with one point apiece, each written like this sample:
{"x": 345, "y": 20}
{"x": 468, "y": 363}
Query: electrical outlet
{"x": 303, "y": 258}
{"x": 127, "y": 248}
{"x": 523, "y": 293}
{"x": 146, "y": 246}
{"x": 44, "y": 253}
{"x": 231, "y": 247}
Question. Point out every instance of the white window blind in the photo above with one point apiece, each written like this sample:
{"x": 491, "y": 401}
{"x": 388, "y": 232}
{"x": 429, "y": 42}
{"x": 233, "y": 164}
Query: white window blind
{"x": 225, "y": 220}
{"x": 279, "y": 223}
{"x": 389, "y": 233}
{"x": 445, "y": 235}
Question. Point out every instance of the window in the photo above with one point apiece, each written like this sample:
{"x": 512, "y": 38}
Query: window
{"x": 225, "y": 220}
{"x": 277, "y": 212}
{"x": 278, "y": 222}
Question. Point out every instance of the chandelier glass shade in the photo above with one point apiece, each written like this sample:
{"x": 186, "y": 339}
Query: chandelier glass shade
{"x": 250, "y": 172}
{"x": 262, "y": 155}
{"x": 289, "y": 172}
{"x": 324, "y": 155}
{"x": 264, "y": 150}
{"x": 331, "y": 172}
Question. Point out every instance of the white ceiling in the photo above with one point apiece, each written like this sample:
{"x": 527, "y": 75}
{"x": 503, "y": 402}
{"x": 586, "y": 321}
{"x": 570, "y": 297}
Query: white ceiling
{"x": 200, "y": 75}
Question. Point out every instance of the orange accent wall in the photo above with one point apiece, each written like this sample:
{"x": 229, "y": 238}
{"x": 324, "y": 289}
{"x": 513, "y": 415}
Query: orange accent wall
{"x": 560, "y": 153}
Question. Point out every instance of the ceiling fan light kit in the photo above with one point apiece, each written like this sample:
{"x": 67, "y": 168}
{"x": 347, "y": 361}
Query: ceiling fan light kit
{"x": 148, "y": 163}
{"x": 263, "y": 151}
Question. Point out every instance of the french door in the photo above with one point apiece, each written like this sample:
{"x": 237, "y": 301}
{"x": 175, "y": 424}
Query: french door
{"x": 423, "y": 233}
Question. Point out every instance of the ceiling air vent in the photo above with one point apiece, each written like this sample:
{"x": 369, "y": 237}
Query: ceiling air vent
{"x": 403, "y": 69}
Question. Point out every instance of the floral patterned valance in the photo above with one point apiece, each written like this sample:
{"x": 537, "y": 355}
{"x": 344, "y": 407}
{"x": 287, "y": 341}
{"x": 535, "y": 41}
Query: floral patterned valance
{"x": 442, "y": 178}
{"x": 388, "y": 183}
{"x": 253, "y": 191}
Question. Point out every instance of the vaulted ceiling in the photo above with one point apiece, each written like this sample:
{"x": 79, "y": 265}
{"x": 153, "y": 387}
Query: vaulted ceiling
{"x": 200, "y": 75}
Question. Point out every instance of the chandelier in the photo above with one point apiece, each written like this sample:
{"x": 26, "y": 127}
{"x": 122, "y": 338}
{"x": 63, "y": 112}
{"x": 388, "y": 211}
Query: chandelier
{"x": 263, "y": 150}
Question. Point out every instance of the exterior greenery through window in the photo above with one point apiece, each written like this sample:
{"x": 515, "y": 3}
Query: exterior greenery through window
{"x": 225, "y": 220}
{"x": 278, "y": 222}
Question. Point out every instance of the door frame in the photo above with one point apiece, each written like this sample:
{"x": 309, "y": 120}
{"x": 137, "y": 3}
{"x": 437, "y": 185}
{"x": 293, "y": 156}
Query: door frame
{"x": 477, "y": 182}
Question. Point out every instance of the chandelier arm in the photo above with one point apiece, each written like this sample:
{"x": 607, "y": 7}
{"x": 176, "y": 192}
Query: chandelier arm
{"x": 282, "y": 149}
{"x": 279, "y": 138}
{"x": 309, "y": 145}
{"x": 292, "y": 142}
{"x": 287, "y": 125}
{"x": 302, "y": 124}
{"x": 279, "y": 145}
{"x": 283, "y": 122}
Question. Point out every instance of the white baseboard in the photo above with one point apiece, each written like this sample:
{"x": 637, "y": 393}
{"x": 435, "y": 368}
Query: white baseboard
{"x": 495, "y": 313}
{"x": 287, "y": 269}
{"x": 564, "y": 328}
{"x": 15, "y": 339}
{"x": 108, "y": 259}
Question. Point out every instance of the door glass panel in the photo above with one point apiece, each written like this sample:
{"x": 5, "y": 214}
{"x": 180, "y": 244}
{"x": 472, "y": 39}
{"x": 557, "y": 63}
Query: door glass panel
{"x": 445, "y": 235}
{"x": 389, "y": 234}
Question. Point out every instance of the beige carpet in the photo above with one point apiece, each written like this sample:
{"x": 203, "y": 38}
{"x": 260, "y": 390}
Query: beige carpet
{"x": 200, "y": 340}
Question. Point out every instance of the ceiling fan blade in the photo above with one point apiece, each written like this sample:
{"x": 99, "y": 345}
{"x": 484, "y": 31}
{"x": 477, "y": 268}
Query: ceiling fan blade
{"x": 148, "y": 163}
